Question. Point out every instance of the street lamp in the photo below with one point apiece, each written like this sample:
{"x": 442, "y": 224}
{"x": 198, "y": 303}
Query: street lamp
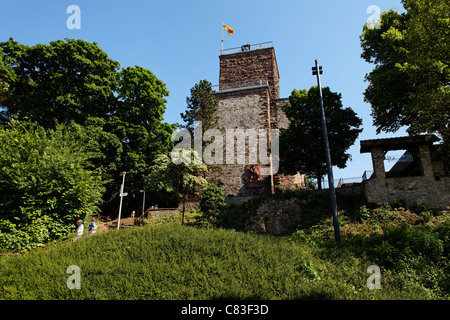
{"x": 317, "y": 71}
{"x": 122, "y": 174}
{"x": 143, "y": 202}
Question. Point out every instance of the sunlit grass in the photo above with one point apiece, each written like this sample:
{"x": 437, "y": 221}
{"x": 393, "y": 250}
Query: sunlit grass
{"x": 183, "y": 262}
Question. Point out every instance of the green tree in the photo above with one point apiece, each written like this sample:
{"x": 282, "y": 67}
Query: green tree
{"x": 73, "y": 80}
{"x": 141, "y": 97}
{"x": 301, "y": 144}
{"x": 137, "y": 122}
{"x": 63, "y": 81}
{"x": 201, "y": 106}
{"x": 140, "y": 149}
{"x": 409, "y": 85}
{"x": 6, "y": 76}
{"x": 47, "y": 182}
{"x": 181, "y": 177}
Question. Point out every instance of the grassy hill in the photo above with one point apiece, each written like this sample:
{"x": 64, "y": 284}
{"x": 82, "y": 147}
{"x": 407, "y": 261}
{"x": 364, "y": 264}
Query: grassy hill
{"x": 170, "y": 261}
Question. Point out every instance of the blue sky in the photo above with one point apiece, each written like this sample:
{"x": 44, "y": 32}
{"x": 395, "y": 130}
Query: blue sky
{"x": 179, "y": 41}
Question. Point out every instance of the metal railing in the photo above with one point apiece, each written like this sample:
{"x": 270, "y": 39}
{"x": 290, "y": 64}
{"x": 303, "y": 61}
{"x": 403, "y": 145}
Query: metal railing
{"x": 247, "y": 47}
{"x": 338, "y": 183}
{"x": 243, "y": 84}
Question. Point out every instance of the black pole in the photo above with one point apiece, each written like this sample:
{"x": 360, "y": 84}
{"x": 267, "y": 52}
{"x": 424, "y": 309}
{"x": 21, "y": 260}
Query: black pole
{"x": 337, "y": 233}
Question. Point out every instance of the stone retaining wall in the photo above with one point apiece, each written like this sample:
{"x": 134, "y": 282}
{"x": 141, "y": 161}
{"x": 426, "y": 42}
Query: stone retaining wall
{"x": 434, "y": 193}
{"x": 161, "y": 213}
{"x": 275, "y": 216}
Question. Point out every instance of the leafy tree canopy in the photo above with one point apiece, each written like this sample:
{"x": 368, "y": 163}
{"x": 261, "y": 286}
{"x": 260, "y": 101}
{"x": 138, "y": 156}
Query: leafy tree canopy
{"x": 181, "y": 179}
{"x": 73, "y": 80}
{"x": 409, "y": 85}
{"x": 201, "y": 106}
{"x": 301, "y": 144}
{"x": 62, "y": 81}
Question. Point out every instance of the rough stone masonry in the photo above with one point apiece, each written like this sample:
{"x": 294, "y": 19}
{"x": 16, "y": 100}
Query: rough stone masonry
{"x": 249, "y": 98}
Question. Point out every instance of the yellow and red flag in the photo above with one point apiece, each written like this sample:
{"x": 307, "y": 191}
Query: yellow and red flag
{"x": 229, "y": 29}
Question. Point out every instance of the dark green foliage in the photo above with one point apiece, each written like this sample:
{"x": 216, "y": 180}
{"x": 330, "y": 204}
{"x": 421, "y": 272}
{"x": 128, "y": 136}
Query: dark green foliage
{"x": 389, "y": 85}
{"x": 201, "y": 106}
{"x": 75, "y": 81}
{"x": 419, "y": 255}
{"x": 409, "y": 85}
{"x": 141, "y": 97}
{"x": 47, "y": 183}
{"x": 212, "y": 202}
{"x": 64, "y": 81}
{"x": 140, "y": 146}
{"x": 301, "y": 145}
{"x": 416, "y": 241}
{"x": 407, "y": 246}
{"x": 180, "y": 180}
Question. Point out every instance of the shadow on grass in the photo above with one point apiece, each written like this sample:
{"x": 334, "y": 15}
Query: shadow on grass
{"x": 320, "y": 295}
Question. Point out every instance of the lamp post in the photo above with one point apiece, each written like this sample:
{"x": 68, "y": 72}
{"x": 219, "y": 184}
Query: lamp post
{"x": 317, "y": 71}
{"x": 143, "y": 202}
{"x": 122, "y": 174}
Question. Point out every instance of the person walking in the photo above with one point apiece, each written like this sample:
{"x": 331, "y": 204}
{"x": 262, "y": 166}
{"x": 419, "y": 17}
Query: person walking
{"x": 80, "y": 230}
{"x": 92, "y": 227}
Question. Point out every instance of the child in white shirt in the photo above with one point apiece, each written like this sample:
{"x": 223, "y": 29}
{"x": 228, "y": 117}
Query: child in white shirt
{"x": 80, "y": 230}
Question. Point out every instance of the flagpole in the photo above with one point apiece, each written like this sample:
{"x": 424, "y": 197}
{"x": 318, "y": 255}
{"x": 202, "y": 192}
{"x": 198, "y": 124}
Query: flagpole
{"x": 221, "y": 51}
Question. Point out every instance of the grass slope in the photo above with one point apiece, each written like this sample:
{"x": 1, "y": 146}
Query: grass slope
{"x": 185, "y": 262}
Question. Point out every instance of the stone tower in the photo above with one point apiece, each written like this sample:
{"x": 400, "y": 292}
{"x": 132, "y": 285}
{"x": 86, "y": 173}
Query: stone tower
{"x": 249, "y": 100}
{"x": 248, "y": 67}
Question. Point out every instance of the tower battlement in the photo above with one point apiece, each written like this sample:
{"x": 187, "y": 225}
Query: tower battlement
{"x": 253, "y": 63}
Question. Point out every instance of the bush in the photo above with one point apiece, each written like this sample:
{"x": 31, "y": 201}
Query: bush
{"x": 363, "y": 213}
{"x": 418, "y": 241}
{"x": 47, "y": 184}
{"x": 400, "y": 203}
{"x": 212, "y": 202}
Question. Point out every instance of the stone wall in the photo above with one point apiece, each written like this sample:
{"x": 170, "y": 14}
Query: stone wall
{"x": 161, "y": 213}
{"x": 281, "y": 120}
{"x": 251, "y": 65}
{"x": 237, "y": 201}
{"x": 351, "y": 189}
{"x": 247, "y": 103}
{"x": 433, "y": 193}
{"x": 191, "y": 204}
{"x": 275, "y": 216}
{"x": 294, "y": 182}
{"x": 241, "y": 109}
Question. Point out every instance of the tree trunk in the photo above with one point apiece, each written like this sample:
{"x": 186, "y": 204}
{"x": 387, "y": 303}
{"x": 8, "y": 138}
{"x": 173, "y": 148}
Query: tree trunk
{"x": 319, "y": 182}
